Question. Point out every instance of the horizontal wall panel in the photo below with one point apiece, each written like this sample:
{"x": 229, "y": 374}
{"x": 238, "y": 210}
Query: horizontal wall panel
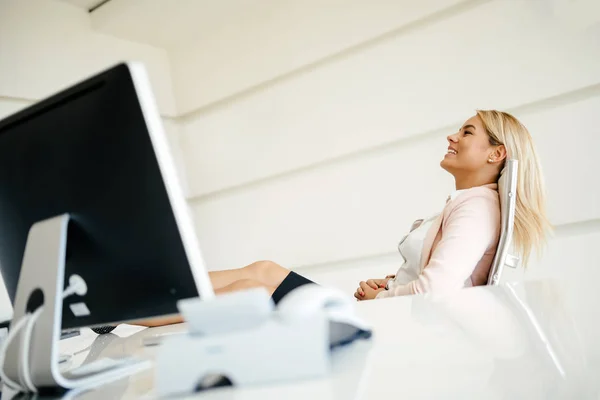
{"x": 567, "y": 138}
{"x": 271, "y": 38}
{"x": 410, "y": 84}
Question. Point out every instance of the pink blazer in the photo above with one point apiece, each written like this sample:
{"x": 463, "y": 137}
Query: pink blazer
{"x": 460, "y": 245}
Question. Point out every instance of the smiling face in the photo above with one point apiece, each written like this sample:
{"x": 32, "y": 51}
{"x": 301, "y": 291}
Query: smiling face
{"x": 469, "y": 150}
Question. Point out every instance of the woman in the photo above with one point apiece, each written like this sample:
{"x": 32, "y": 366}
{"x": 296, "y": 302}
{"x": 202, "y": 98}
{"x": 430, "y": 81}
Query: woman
{"x": 454, "y": 249}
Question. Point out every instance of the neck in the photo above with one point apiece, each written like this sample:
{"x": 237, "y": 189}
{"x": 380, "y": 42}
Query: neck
{"x": 470, "y": 181}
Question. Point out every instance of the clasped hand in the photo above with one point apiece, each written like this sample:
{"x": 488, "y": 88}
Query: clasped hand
{"x": 371, "y": 288}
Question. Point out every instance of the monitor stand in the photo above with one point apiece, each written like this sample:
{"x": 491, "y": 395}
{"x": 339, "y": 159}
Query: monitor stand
{"x": 41, "y": 282}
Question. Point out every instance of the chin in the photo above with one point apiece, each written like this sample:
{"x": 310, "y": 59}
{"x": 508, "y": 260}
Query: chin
{"x": 447, "y": 166}
{"x": 444, "y": 164}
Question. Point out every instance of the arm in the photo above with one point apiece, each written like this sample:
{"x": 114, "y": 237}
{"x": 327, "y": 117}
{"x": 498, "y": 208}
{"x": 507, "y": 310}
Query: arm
{"x": 368, "y": 290}
{"x": 467, "y": 234}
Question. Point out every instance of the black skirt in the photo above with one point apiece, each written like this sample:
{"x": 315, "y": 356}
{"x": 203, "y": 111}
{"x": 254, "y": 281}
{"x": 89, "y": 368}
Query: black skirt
{"x": 291, "y": 282}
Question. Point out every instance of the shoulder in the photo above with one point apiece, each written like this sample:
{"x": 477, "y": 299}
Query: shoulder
{"x": 477, "y": 201}
{"x": 481, "y": 195}
{"x": 474, "y": 212}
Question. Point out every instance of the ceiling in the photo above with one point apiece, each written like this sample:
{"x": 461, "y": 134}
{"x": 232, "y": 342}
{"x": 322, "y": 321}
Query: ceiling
{"x": 168, "y": 23}
{"x": 172, "y": 23}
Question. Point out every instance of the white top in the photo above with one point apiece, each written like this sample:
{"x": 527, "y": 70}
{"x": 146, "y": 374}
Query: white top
{"x": 411, "y": 247}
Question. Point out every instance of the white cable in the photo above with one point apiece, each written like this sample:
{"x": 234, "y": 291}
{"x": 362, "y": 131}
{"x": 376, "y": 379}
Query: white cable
{"x": 11, "y": 335}
{"x": 25, "y": 371}
{"x": 77, "y": 286}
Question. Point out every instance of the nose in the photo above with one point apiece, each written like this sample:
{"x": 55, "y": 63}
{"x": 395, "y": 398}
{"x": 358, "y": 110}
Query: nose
{"x": 453, "y": 138}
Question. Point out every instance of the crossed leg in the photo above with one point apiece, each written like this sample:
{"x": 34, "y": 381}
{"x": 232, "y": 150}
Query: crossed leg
{"x": 265, "y": 274}
{"x": 258, "y": 274}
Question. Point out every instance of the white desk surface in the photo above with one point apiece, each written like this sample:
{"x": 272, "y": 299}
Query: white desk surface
{"x": 528, "y": 340}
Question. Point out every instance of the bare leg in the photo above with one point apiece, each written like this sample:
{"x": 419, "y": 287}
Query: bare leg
{"x": 268, "y": 273}
{"x": 265, "y": 274}
{"x": 243, "y": 284}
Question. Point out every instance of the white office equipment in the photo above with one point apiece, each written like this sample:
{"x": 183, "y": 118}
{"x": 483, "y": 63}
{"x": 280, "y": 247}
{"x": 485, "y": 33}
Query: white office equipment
{"x": 232, "y": 312}
{"x": 292, "y": 342}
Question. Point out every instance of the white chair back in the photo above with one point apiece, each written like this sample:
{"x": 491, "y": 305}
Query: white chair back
{"x": 507, "y": 190}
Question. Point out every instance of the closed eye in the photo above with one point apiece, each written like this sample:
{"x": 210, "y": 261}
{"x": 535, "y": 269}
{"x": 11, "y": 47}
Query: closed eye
{"x": 468, "y": 133}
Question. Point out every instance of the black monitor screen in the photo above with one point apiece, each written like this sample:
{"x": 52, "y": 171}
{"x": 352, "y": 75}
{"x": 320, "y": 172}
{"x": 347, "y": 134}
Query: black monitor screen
{"x": 87, "y": 151}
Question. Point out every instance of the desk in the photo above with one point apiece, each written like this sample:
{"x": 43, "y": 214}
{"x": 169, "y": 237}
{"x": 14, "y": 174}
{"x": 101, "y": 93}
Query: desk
{"x": 527, "y": 340}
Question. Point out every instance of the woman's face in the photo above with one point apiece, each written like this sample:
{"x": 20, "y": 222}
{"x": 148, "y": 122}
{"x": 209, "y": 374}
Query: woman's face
{"x": 468, "y": 149}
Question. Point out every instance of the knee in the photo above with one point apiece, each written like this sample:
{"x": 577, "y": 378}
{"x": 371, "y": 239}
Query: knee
{"x": 262, "y": 268}
{"x": 268, "y": 272}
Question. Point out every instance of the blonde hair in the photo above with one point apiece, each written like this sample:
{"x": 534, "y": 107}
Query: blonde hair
{"x": 531, "y": 223}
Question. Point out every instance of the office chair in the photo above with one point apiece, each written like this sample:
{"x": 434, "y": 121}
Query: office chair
{"x": 507, "y": 190}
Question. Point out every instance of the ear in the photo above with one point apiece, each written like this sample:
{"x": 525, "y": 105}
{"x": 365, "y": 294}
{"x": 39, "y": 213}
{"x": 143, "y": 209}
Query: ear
{"x": 500, "y": 153}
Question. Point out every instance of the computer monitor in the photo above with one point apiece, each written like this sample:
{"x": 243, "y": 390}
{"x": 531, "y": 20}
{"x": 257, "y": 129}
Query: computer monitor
{"x": 97, "y": 151}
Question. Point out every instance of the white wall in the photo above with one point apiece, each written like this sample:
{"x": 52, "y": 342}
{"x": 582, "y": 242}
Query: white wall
{"x": 47, "y": 45}
{"x": 322, "y": 163}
